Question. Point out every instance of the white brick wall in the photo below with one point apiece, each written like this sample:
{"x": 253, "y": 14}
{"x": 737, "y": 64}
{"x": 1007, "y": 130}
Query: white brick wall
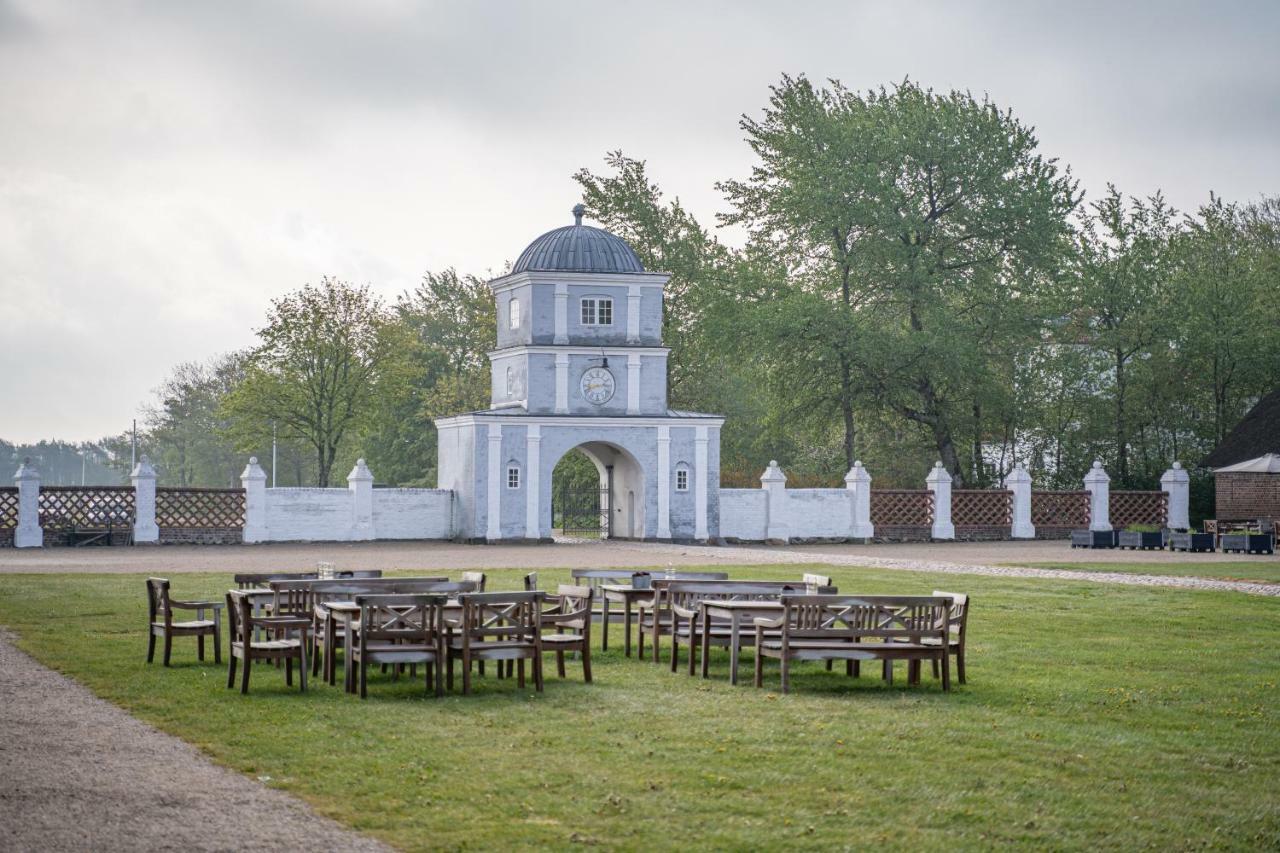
{"x": 412, "y": 513}
{"x": 818, "y": 513}
{"x": 326, "y": 515}
{"x": 743, "y": 514}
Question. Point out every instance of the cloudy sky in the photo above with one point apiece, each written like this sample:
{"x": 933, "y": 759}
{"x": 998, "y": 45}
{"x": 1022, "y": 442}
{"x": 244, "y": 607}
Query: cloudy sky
{"x": 166, "y": 168}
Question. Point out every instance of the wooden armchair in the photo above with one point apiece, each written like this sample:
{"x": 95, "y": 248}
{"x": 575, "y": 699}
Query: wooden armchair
{"x": 571, "y": 619}
{"x": 243, "y": 623}
{"x": 400, "y": 629}
{"x": 497, "y": 626}
{"x": 160, "y": 607}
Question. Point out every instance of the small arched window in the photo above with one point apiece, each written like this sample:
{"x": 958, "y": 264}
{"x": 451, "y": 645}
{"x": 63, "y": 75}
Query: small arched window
{"x": 511, "y": 381}
{"x": 682, "y": 477}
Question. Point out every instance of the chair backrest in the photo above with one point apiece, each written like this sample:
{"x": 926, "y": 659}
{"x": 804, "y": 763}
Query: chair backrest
{"x": 476, "y": 578}
{"x": 259, "y": 580}
{"x": 959, "y": 614}
{"x": 158, "y": 600}
{"x": 687, "y": 594}
{"x": 573, "y": 608}
{"x": 811, "y": 579}
{"x": 239, "y": 616}
{"x": 530, "y": 581}
{"x": 298, "y": 597}
{"x": 501, "y": 615}
{"x": 401, "y": 617}
{"x": 886, "y": 617}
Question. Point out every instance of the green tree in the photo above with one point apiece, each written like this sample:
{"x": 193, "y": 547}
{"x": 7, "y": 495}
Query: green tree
{"x": 327, "y": 356}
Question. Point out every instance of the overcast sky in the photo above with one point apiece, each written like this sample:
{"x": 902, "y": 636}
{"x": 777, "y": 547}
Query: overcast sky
{"x": 166, "y": 168}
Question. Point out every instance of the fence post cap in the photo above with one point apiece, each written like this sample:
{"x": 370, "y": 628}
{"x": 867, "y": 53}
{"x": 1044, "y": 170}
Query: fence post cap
{"x": 1017, "y": 475}
{"x": 938, "y": 475}
{"x": 143, "y": 469}
{"x": 26, "y": 471}
{"x": 360, "y": 472}
{"x": 253, "y": 471}
{"x": 773, "y": 474}
{"x": 857, "y": 474}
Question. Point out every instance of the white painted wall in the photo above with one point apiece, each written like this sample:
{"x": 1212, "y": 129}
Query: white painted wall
{"x": 317, "y": 515}
{"x": 412, "y": 513}
{"x": 819, "y": 513}
{"x": 743, "y": 514}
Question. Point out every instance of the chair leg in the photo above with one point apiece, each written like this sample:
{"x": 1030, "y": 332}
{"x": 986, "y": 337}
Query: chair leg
{"x": 960, "y": 663}
{"x": 449, "y": 665}
{"x": 520, "y": 674}
{"x": 848, "y": 668}
{"x": 151, "y": 646}
{"x": 675, "y": 651}
{"x": 857, "y": 669}
{"x": 317, "y": 655}
{"x": 244, "y": 674}
{"x": 302, "y": 667}
{"x": 786, "y": 674}
{"x": 466, "y": 673}
{"x": 168, "y": 647}
{"x": 482, "y": 669}
{"x": 759, "y": 669}
{"x": 436, "y": 669}
{"x": 537, "y": 672}
{"x": 231, "y": 673}
{"x": 694, "y": 643}
{"x": 560, "y": 662}
{"x": 586, "y": 662}
{"x": 200, "y": 647}
{"x": 946, "y": 670}
{"x": 217, "y": 645}
{"x": 829, "y": 664}
{"x": 364, "y": 680}
{"x": 288, "y": 672}
{"x": 888, "y": 672}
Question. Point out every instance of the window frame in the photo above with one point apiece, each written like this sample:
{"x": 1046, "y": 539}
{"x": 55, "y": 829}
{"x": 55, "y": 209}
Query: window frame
{"x": 682, "y": 473}
{"x": 592, "y": 310}
{"x": 513, "y": 477}
{"x": 514, "y": 313}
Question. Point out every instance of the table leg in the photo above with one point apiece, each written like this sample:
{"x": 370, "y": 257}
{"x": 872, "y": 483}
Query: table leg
{"x": 626, "y": 627}
{"x": 604, "y": 624}
{"x": 734, "y": 621}
{"x": 706, "y": 641}
{"x": 330, "y": 644}
{"x": 348, "y": 671}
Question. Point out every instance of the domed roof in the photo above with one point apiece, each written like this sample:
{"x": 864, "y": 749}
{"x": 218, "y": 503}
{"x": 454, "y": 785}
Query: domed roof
{"x": 579, "y": 248}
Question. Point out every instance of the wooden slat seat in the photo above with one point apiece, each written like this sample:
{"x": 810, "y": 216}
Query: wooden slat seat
{"x": 497, "y": 626}
{"x": 281, "y": 645}
{"x": 191, "y": 626}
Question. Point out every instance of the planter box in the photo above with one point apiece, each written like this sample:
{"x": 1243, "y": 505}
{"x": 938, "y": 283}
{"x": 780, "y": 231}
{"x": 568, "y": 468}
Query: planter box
{"x": 1093, "y": 539}
{"x": 1133, "y": 539}
{"x": 1248, "y": 543}
{"x": 1192, "y": 542}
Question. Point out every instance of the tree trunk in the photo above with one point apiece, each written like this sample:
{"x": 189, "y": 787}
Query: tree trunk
{"x": 1122, "y": 444}
{"x": 846, "y": 410}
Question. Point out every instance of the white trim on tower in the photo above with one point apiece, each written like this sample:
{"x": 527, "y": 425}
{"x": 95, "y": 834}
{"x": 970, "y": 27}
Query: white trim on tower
{"x": 700, "y": 483}
{"x": 664, "y": 482}
{"x": 533, "y": 491}
{"x": 493, "y": 529}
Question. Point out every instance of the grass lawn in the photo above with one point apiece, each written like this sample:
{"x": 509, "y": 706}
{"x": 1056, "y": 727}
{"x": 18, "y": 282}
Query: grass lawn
{"x": 1260, "y": 570}
{"x": 1094, "y": 717}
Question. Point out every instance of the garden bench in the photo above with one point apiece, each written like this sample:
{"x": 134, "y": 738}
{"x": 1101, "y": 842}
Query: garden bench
{"x": 857, "y": 628}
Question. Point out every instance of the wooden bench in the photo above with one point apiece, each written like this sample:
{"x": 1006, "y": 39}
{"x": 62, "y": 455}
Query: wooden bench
{"x": 855, "y": 628}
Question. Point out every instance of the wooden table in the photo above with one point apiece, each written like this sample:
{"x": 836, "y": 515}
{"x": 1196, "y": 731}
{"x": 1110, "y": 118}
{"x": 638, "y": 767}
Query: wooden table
{"x": 735, "y": 612}
{"x": 626, "y": 595}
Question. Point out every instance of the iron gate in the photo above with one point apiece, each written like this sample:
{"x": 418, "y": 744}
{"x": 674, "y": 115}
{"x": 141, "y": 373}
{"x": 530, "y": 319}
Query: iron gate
{"x": 581, "y": 512}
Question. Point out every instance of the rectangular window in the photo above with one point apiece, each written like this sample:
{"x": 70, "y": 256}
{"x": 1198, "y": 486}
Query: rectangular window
{"x": 597, "y": 311}
{"x": 513, "y": 477}
{"x": 515, "y": 313}
{"x": 682, "y": 479}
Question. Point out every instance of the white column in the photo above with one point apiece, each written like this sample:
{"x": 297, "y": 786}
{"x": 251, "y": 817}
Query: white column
{"x": 633, "y": 314}
{"x": 254, "y": 481}
{"x": 562, "y": 314}
{"x": 143, "y": 478}
{"x": 633, "y": 384}
{"x": 939, "y": 482}
{"x": 858, "y": 482}
{"x": 1019, "y": 482}
{"x": 28, "y": 533}
{"x": 493, "y": 530}
{"x": 1176, "y": 483}
{"x": 700, "y": 484}
{"x": 360, "y": 483}
{"x": 664, "y": 482}
{"x": 774, "y": 483}
{"x": 562, "y": 383}
{"x": 1098, "y": 484}
{"x": 532, "y": 480}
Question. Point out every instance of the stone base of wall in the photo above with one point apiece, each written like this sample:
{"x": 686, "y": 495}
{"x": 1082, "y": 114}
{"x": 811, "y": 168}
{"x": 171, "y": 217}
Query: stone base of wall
{"x": 1050, "y": 532}
{"x": 902, "y": 533}
{"x": 201, "y": 536}
{"x": 982, "y": 533}
{"x": 6, "y": 537}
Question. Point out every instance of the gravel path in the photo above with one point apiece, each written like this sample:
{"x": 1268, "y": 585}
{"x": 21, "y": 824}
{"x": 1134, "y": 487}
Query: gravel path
{"x": 78, "y": 773}
{"x": 734, "y": 555}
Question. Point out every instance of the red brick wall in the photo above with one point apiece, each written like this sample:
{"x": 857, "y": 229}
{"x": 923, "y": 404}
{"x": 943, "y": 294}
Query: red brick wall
{"x": 1247, "y": 496}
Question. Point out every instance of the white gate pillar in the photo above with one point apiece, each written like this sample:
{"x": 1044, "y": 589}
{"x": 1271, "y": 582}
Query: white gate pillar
{"x": 774, "y": 483}
{"x": 1019, "y": 482}
{"x": 533, "y": 482}
{"x": 360, "y": 483}
{"x": 254, "y": 481}
{"x": 939, "y": 482}
{"x": 858, "y": 483}
{"x": 1176, "y": 483}
{"x": 1098, "y": 484}
{"x": 28, "y": 533}
{"x": 144, "y": 502}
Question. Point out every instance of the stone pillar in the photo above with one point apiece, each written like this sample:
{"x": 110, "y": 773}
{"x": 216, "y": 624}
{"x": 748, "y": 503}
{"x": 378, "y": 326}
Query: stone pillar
{"x": 562, "y": 383}
{"x": 700, "y": 475}
{"x": 633, "y": 314}
{"x": 562, "y": 315}
{"x": 254, "y": 481}
{"x": 633, "y": 384}
{"x": 1019, "y": 482}
{"x": 144, "y": 502}
{"x": 360, "y": 483}
{"x": 858, "y": 482}
{"x": 939, "y": 482}
{"x": 532, "y": 481}
{"x": 1098, "y": 484}
{"x": 664, "y": 482}
{"x": 774, "y": 483}
{"x": 493, "y": 527}
{"x": 28, "y": 533}
{"x": 1176, "y": 483}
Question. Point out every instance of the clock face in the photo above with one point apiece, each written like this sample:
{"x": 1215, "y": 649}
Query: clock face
{"x": 597, "y": 385}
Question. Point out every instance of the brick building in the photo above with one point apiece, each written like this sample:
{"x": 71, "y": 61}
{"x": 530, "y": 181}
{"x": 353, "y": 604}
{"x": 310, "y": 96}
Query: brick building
{"x": 1246, "y": 466}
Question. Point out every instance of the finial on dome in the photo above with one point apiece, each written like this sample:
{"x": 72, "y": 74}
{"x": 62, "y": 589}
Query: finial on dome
{"x": 578, "y": 210}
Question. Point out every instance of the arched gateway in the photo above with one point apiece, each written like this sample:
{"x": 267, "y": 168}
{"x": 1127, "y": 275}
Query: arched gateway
{"x": 580, "y": 365}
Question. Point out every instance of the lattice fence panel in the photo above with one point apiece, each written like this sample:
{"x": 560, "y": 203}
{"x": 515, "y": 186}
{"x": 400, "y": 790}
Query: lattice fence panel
{"x": 901, "y": 507}
{"x": 982, "y": 508}
{"x": 1060, "y": 509}
{"x": 202, "y": 508}
{"x": 1138, "y": 508}
{"x": 63, "y": 507}
{"x": 8, "y": 507}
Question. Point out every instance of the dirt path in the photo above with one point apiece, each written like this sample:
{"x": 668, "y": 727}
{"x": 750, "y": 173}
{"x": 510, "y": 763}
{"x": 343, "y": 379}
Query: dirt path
{"x": 78, "y": 773}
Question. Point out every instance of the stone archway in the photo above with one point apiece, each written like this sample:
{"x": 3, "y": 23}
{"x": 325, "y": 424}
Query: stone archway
{"x": 621, "y": 485}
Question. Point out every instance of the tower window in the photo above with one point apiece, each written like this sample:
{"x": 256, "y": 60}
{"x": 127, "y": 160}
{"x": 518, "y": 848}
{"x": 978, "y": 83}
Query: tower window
{"x": 597, "y": 311}
{"x": 511, "y": 381}
{"x": 513, "y": 313}
{"x": 513, "y": 477}
{"x": 682, "y": 477}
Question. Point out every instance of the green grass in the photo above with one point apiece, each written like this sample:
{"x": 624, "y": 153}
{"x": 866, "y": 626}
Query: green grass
{"x": 1095, "y": 717}
{"x": 1261, "y": 570}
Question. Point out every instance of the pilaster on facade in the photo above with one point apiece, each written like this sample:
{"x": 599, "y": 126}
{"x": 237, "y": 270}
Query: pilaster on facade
{"x": 664, "y": 482}
{"x": 493, "y": 522}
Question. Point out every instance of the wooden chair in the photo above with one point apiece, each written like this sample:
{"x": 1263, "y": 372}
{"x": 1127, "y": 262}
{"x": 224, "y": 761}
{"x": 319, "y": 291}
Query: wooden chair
{"x": 160, "y": 607}
{"x": 497, "y": 626}
{"x": 958, "y": 621}
{"x": 531, "y": 582}
{"x": 243, "y": 623}
{"x": 571, "y": 619}
{"x": 400, "y": 629}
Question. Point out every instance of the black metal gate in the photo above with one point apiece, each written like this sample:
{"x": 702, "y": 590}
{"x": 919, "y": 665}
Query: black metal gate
{"x": 581, "y": 512}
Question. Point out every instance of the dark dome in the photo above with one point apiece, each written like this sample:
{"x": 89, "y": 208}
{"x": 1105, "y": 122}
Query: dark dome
{"x": 579, "y": 248}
